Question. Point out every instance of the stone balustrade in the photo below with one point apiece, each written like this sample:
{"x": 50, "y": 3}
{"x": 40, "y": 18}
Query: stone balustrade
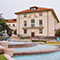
{"x": 4, "y": 49}
{"x": 9, "y": 51}
{"x": 4, "y": 44}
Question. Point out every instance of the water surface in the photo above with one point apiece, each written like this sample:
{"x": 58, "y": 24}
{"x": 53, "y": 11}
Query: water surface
{"x": 39, "y": 47}
{"x": 50, "y": 56}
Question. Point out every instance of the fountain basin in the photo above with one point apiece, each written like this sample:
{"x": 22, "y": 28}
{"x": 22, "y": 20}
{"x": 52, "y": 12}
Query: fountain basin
{"x": 39, "y": 49}
{"x": 22, "y": 45}
{"x": 50, "y": 56}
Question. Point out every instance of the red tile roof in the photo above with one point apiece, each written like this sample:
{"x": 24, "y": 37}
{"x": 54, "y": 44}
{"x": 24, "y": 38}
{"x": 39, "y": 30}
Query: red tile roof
{"x": 38, "y": 9}
{"x": 10, "y": 20}
{"x": 28, "y": 10}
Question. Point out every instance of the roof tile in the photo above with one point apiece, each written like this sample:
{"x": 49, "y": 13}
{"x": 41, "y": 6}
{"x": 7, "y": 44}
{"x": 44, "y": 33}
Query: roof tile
{"x": 28, "y": 10}
{"x": 10, "y": 20}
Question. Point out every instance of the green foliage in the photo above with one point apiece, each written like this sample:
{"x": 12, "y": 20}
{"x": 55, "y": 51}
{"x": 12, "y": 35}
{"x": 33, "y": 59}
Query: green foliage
{"x": 15, "y": 31}
{"x": 24, "y": 38}
{"x": 38, "y": 41}
{"x": 9, "y": 32}
{"x": 53, "y": 43}
{"x": 4, "y": 26}
{"x": 57, "y": 33}
{"x": 2, "y": 57}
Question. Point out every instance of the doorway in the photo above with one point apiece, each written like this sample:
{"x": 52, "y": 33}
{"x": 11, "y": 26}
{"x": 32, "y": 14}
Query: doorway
{"x": 32, "y": 34}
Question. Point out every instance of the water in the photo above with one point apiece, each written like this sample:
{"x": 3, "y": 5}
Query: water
{"x": 39, "y": 47}
{"x": 18, "y": 42}
{"x": 50, "y": 56}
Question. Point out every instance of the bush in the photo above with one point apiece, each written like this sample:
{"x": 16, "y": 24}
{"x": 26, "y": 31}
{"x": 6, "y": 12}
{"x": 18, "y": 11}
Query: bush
{"x": 4, "y": 26}
{"x": 57, "y": 33}
{"x": 24, "y": 37}
{"x": 38, "y": 41}
{"x": 15, "y": 32}
{"x": 9, "y": 32}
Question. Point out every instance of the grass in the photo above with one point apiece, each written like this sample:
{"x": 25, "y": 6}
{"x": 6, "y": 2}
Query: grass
{"x": 53, "y": 43}
{"x": 21, "y": 39}
{"x": 2, "y": 57}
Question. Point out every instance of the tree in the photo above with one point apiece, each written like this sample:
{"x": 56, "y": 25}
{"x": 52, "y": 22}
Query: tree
{"x": 15, "y": 31}
{"x": 3, "y": 25}
{"x": 57, "y": 33}
{"x": 1, "y": 16}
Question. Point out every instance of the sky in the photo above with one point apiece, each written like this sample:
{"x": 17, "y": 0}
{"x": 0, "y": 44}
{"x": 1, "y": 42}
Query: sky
{"x": 9, "y": 7}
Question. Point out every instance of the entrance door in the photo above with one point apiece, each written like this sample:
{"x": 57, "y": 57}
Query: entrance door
{"x": 32, "y": 34}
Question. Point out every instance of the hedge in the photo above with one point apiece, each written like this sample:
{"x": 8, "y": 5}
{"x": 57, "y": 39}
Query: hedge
{"x": 38, "y": 41}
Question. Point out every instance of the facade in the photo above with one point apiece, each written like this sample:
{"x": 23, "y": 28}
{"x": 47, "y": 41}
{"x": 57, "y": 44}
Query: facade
{"x": 59, "y": 25}
{"x": 37, "y": 21}
{"x": 12, "y": 23}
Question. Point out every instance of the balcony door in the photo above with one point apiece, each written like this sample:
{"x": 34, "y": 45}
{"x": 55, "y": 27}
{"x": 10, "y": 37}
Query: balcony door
{"x": 32, "y": 34}
{"x": 32, "y": 23}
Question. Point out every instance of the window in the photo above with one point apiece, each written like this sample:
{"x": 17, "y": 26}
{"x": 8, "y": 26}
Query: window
{"x": 32, "y": 8}
{"x": 32, "y": 23}
{"x": 40, "y": 31}
{"x": 7, "y": 20}
{"x": 13, "y": 24}
{"x": 14, "y": 20}
{"x": 40, "y": 14}
{"x": 25, "y": 31}
{"x": 25, "y": 23}
{"x": 40, "y": 22}
{"x": 25, "y": 15}
{"x": 9, "y": 24}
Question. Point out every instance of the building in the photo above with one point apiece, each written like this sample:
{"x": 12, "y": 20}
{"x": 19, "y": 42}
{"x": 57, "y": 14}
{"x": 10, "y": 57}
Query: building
{"x": 59, "y": 25}
{"x": 12, "y": 23}
{"x": 37, "y": 21}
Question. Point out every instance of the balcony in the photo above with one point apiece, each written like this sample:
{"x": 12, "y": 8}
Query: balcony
{"x": 36, "y": 27}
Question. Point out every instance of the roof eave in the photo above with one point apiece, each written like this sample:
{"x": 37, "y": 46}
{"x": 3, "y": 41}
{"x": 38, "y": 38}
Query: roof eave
{"x": 42, "y": 10}
{"x": 55, "y": 15}
{"x": 30, "y": 11}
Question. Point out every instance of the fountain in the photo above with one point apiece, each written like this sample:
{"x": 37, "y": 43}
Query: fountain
{"x": 26, "y": 50}
{"x": 50, "y": 56}
{"x": 8, "y": 53}
{"x": 21, "y": 49}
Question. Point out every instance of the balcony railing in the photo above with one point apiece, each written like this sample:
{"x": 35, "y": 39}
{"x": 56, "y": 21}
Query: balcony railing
{"x": 26, "y": 27}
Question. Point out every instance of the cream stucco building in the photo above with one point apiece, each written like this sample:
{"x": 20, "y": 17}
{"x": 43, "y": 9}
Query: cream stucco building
{"x": 12, "y": 23}
{"x": 37, "y": 21}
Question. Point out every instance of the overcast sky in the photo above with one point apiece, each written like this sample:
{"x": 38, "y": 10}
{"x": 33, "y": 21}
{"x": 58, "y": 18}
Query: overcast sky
{"x": 9, "y": 7}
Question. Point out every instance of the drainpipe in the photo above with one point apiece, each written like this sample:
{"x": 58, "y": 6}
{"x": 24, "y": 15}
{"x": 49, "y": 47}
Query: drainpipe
{"x": 47, "y": 24}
